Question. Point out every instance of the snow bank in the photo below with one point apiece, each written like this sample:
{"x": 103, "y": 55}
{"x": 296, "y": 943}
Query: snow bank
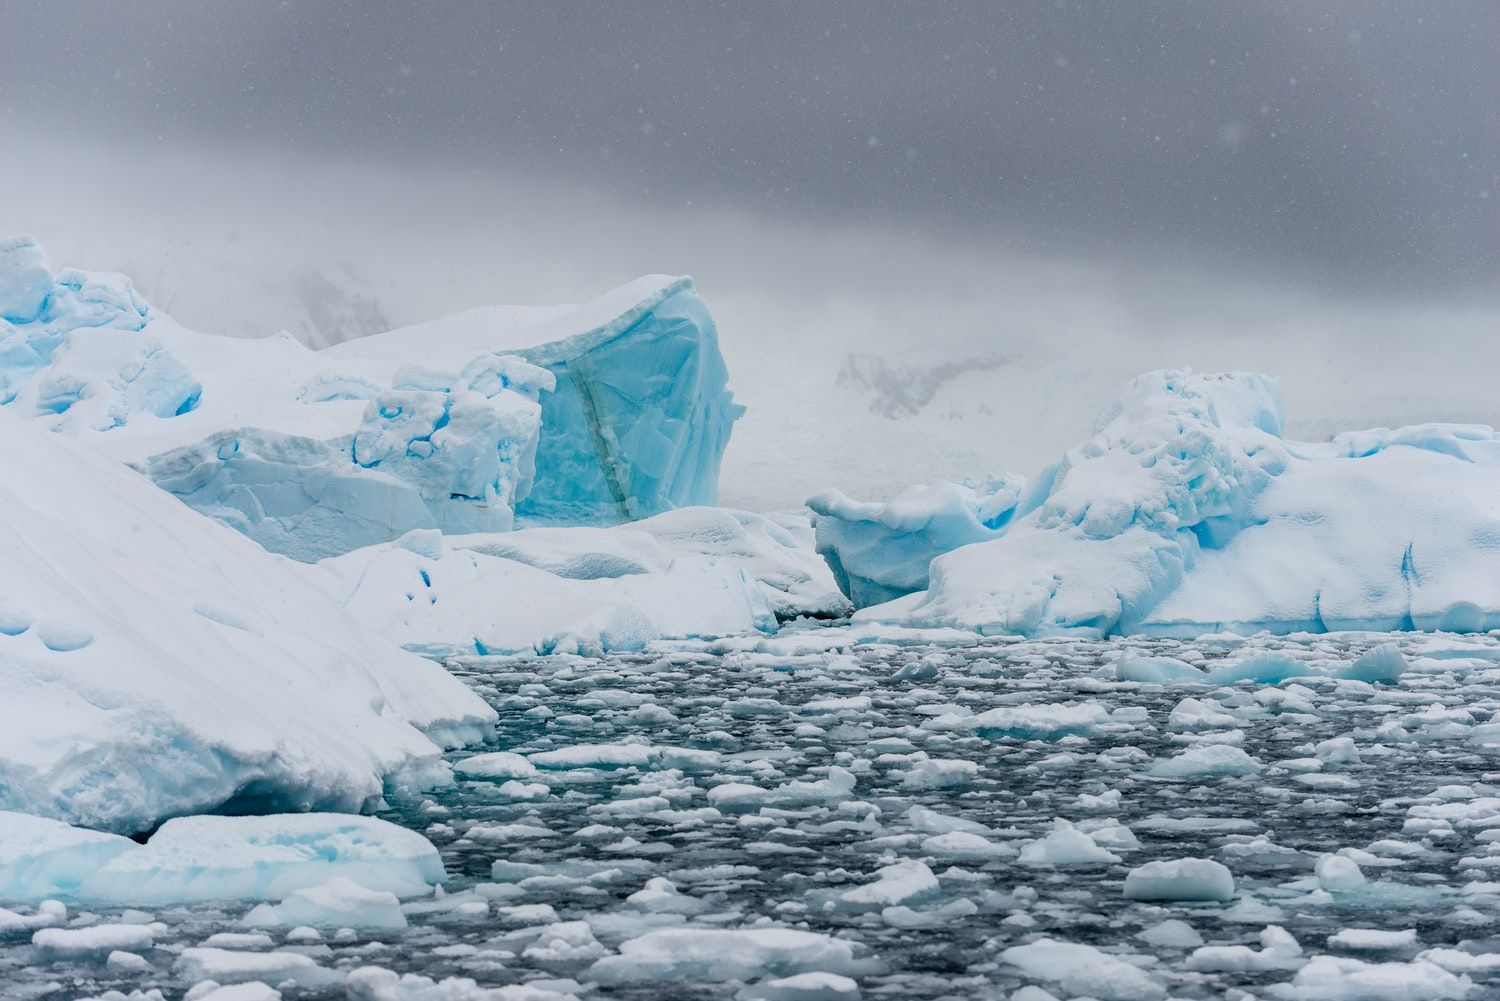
{"x": 1187, "y": 512}
{"x": 155, "y": 663}
{"x": 613, "y": 410}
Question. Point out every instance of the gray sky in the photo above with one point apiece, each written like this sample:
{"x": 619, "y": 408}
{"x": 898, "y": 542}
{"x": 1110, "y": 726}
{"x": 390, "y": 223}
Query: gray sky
{"x": 1355, "y": 146}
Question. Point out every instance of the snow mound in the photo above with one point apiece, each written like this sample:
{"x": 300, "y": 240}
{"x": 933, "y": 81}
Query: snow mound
{"x": 1187, "y": 512}
{"x": 614, "y": 410}
{"x": 249, "y": 691}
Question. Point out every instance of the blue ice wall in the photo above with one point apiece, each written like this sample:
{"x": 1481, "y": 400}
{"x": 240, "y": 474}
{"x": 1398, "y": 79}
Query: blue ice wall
{"x": 639, "y": 421}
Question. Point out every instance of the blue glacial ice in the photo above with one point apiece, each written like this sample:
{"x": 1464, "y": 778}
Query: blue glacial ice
{"x": 613, "y": 410}
{"x": 881, "y": 551}
{"x": 1188, "y": 512}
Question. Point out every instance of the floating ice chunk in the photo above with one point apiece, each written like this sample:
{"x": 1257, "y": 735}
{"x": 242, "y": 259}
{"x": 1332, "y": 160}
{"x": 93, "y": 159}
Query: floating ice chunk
{"x": 233, "y": 966}
{"x": 1261, "y": 669}
{"x": 373, "y": 983}
{"x": 1206, "y": 761}
{"x": 564, "y": 944}
{"x": 716, "y": 954}
{"x": 936, "y": 917}
{"x": 1337, "y": 751}
{"x": 265, "y": 858}
{"x": 962, "y": 846}
{"x": 661, "y": 896}
{"x": 16, "y": 925}
{"x": 42, "y": 858}
{"x": 940, "y": 773}
{"x": 1137, "y": 667}
{"x": 1049, "y": 721}
{"x": 1195, "y": 714}
{"x": 254, "y": 990}
{"x": 802, "y": 987}
{"x": 1338, "y": 874}
{"x": 900, "y": 883}
{"x": 1458, "y": 961}
{"x": 496, "y": 765}
{"x": 1083, "y": 970}
{"x": 1278, "y": 951}
{"x": 1171, "y": 933}
{"x": 338, "y": 903}
{"x": 1372, "y": 939}
{"x": 1066, "y": 845}
{"x": 1180, "y": 879}
{"x": 740, "y": 796}
{"x": 1384, "y": 664}
{"x": 100, "y": 939}
{"x": 1331, "y": 978}
{"x": 923, "y": 819}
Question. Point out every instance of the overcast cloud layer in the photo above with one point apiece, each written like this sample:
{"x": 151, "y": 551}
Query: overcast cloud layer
{"x": 1350, "y": 144}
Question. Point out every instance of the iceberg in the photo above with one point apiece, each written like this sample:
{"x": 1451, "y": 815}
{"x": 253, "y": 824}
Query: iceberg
{"x": 615, "y": 410}
{"x": 155, "y": 663}
{"x": 1188, "y": 512}
{"x": 881, "y": 551}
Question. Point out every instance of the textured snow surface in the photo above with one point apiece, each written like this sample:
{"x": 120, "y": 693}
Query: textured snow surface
{"x": 154, "y": 663}
{"x": 1187, "y": 512}
{"x": 613, "y": 410}
{"x": 737, "y": 819}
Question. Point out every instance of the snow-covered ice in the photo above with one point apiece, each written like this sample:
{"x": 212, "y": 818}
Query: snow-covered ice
{"x": 155, "y": 663}
{"x": 1189, "y": 512}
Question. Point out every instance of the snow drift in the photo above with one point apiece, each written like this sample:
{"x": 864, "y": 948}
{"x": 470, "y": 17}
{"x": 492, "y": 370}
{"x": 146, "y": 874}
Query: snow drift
{"x": 613, "y": 410}
{"x": 1188, "y": 512}
{"x": 154, "y": 663}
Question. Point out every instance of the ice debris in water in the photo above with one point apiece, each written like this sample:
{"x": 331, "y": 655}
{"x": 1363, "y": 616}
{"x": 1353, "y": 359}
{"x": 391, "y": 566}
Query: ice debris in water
{"x": 737, "y": 818}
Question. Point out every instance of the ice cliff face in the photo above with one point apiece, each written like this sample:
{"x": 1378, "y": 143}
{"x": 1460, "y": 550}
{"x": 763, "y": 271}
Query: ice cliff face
{"x": 1187, "y": 512}
{"x": 614, "y": 410}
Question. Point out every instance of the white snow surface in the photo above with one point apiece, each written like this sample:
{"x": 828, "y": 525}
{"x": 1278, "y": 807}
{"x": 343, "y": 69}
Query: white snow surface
{"x": 154, "y": 663}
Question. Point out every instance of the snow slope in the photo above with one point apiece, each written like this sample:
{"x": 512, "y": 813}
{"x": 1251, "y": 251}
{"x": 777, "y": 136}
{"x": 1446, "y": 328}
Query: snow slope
{"x": 154, "y": 663}
{"x": 625, "y": 412}
{"x": 1187, "y": 511}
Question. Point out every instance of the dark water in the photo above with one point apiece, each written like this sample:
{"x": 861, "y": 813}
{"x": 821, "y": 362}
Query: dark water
{"x": 791, "y": 710}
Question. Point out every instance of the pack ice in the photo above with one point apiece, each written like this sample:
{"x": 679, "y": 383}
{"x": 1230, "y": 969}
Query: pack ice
{"x": 154, "y": 663}
{"x": 1188, "y": 512}
{"x": 615, "y": 410}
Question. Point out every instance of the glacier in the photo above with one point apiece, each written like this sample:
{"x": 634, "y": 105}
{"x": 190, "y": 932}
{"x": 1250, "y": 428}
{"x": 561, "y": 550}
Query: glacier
{"x": 155, "y": 663}
{"x": 614, "y": 410}
{"x": 1189, "y": 512}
